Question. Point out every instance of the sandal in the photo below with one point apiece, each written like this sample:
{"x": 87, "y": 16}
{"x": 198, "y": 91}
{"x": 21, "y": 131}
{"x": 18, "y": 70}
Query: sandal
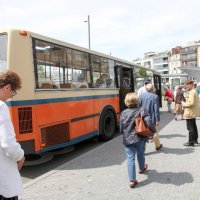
{"x": 144, "y": 169}
{"x": 133, "y": 183}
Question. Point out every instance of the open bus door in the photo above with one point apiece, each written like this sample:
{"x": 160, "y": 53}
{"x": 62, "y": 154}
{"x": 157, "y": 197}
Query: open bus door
{"x": 157, "y": 85}
{"x": 125, "y": 83}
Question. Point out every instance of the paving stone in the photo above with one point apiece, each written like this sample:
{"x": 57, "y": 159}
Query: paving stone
{"x": 101, "y": 174}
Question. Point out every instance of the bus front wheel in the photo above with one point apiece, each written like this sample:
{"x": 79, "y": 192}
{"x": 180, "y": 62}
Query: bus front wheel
{"x": 107, "y": 125}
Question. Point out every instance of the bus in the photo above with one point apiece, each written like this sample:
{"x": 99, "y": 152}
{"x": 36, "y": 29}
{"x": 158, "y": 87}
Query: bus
{"x": 69, "y": 94}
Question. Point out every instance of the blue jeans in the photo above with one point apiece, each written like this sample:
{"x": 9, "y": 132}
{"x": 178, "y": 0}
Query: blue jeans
{"x": 131, "y": 150}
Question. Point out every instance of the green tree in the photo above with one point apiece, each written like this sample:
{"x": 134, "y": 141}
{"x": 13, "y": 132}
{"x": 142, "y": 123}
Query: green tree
{"x": 143, "y": 72}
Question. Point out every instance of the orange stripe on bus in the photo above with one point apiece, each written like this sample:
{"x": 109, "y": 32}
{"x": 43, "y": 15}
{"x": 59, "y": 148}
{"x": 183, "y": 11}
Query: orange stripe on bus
{"x": 47, "y": 114}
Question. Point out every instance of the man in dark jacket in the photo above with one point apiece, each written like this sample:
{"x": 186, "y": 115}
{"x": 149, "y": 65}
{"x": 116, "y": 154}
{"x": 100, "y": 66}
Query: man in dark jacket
{"x": 150, "y": 101}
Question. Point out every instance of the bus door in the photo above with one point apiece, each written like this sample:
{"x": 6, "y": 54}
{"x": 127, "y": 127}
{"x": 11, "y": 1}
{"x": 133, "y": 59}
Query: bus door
{"x": 157, "y": 85}
{"x": 125, "y": 83}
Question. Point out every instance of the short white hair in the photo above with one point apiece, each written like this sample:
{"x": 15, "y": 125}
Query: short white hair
{"x": 149, "y": 87}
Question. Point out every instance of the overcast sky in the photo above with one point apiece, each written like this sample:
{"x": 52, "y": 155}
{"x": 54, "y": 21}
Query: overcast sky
{"x": 125, "y": 28}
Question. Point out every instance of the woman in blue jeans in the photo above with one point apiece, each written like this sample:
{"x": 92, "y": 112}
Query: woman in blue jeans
{"x": 134, "y": 144}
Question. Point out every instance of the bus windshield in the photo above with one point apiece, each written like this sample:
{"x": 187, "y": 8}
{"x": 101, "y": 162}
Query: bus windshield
{"x": 3, "y": 52}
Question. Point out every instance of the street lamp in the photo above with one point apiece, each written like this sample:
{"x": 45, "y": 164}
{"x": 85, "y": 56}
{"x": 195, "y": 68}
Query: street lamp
{"x": 88, "y": 21}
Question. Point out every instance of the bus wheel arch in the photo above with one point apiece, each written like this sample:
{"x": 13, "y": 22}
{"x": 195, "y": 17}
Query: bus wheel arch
{"x": 107, "y": 123}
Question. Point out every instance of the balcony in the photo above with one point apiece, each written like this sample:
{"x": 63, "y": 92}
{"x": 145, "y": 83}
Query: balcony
{"x": 192, "y": 71}
{"x": 191, "y": 65}
{"x": 189, "y": 50}
{"x": 188, "y": 58}
{"x": 161, "y": 68}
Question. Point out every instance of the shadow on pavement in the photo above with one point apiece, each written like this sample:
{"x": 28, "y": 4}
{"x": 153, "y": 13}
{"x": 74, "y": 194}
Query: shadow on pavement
{"x": 165, "y": 119}
{"x": 176, "y": 151}
{"x": 112, "y": 153}
{"x": 173, "y": 178}
{"x": 168, "y": 136}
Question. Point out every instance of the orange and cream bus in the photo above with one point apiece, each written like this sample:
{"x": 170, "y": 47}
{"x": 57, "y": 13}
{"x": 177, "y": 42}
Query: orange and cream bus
{"x": 69, "y": 93}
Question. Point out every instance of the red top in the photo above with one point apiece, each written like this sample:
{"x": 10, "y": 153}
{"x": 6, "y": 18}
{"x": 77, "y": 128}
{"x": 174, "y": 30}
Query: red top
{"x": 168, "y": 93}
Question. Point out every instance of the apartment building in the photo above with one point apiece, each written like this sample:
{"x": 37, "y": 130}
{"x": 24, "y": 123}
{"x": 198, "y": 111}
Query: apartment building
{"x": 176, "y": 75}
{"x": 190, "y": 59}
{"x": 161, "y": 62}
{"x": 157, "y": 61}
{"x": 175, "y": 66}
{"x": 175, "y": 61}
{"x": 147, "y": 61}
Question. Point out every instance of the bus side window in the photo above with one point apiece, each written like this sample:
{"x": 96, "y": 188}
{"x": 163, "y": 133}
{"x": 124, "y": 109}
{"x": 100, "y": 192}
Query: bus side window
{"x": 109, "y": 83}
{"x": 101, "y": 81}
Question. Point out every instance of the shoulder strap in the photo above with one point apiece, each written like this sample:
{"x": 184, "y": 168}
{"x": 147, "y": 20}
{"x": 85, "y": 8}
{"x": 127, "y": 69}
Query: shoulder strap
{"x": 139, "y": 114}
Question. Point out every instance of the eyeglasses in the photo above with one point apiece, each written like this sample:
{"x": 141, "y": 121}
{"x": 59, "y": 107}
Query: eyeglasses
{"x": 14, "y": 92}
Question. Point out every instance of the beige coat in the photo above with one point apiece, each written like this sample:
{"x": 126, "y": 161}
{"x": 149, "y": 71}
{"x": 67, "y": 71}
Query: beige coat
{"x": 191, "y": 106}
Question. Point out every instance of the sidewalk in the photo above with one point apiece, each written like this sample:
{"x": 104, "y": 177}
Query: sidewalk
{"x": 101, "y": 174}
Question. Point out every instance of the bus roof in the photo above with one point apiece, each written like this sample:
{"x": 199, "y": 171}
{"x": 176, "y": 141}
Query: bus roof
{"x": 63, "y": 43}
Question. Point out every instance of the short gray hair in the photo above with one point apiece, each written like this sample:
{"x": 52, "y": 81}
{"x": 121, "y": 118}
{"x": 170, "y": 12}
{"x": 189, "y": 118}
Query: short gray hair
{"x": 149, "y": 87}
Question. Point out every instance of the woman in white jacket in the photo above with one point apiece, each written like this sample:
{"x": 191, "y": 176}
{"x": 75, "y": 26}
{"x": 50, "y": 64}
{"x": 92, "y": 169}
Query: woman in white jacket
{"x": 11, "y": 154}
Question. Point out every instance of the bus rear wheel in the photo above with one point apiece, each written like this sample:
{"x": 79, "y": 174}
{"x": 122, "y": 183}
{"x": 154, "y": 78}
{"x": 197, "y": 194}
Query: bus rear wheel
{"x": 107, "y": 125}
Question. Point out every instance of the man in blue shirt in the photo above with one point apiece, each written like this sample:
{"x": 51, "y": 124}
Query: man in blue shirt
{"x": 143, "y": 88}
{"x": 150, "y": 101}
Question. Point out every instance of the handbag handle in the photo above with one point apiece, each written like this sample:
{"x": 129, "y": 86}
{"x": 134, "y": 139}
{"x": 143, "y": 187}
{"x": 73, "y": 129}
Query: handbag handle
{"x": 139, "y": 115}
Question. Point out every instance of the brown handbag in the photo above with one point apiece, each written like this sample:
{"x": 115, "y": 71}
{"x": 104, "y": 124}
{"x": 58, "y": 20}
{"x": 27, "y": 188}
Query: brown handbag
{"x": 141, "y": 128}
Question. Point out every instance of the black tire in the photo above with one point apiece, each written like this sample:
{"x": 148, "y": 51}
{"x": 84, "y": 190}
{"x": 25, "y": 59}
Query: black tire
{"x": 107, "y": 125}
